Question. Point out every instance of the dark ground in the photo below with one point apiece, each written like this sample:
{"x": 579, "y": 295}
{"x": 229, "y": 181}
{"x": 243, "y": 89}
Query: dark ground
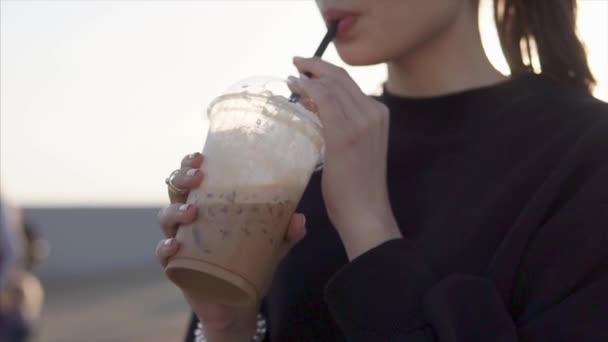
{"x": 140, "y": 306}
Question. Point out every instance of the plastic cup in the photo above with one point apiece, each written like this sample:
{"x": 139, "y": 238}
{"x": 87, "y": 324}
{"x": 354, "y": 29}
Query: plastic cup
{"x": 260, "y": 152}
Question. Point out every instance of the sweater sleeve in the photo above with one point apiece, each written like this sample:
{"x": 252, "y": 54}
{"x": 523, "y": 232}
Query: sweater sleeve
{"x": 391, "y": 294}
{"x": 559, "y": 293}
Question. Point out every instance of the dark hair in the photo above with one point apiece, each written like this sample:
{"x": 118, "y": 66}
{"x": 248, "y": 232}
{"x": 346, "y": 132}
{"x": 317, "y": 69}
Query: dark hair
{"x": 549, "y": 27}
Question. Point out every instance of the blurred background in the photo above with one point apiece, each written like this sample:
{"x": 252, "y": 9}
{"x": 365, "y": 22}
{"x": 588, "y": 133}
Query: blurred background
{"x": 99, "y": 102}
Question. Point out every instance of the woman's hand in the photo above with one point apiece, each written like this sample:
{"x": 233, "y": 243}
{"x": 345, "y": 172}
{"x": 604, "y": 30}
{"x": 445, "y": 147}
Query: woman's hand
{"x": 355, "y": 129}
{"x": 221, "y": 322}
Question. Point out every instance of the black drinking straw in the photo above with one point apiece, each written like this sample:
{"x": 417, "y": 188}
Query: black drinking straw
{"x": 329, "y": 36}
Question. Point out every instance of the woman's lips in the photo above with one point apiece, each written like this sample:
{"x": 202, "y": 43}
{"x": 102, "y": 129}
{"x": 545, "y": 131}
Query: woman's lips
{"x": 345, "y": 25}
{"x": 346, "y": 19}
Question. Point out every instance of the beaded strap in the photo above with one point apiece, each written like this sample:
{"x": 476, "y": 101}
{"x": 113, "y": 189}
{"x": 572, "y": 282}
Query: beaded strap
{"x": 259, "y": 335}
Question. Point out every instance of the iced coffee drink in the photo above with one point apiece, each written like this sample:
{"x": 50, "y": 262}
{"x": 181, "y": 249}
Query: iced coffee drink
{"x": 259, "y": 155}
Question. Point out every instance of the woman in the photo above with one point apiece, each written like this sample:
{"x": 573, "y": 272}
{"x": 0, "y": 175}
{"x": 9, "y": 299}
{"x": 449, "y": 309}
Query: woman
{"x": 460, "y": 205}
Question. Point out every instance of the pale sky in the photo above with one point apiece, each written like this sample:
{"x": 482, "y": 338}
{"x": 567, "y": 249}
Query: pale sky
{"x": 101, "y": 99}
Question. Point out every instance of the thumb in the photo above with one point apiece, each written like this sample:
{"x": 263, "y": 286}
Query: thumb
{"x": 295, "y": 232}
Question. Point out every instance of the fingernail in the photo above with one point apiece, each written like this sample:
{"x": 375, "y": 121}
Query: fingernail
{"x": 291, "y": 79}
{"x": 192, "y": 172}
{"x": 168, "y": 242}
{"x": 191, "y": 155}
{"x": 184, "y": 207}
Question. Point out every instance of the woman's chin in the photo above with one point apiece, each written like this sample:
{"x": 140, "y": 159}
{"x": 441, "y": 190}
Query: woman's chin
{"x": 357, "y": 54}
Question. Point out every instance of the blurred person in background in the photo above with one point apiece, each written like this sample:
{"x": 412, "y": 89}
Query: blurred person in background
{"x": 21, "y": 292}
{"x": 460, "y": 205}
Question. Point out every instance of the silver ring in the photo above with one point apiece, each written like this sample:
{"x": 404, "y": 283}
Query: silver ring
{"x": 172, "y": 187}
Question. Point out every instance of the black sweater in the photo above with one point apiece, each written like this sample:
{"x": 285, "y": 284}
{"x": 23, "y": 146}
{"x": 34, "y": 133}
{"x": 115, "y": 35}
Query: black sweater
{"x": 501, "y": 194}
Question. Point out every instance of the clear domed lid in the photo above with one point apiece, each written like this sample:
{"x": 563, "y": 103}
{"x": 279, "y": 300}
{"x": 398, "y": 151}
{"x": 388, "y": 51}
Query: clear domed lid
{"x": 265, "y": 94}
{"x": 275, "y": 89}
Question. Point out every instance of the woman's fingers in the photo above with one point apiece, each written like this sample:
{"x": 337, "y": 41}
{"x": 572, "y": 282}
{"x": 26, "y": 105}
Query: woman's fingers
{"x": 305, "y": 100}
{"x": 296, "y": 229}
{"x": 322, "y": 69}
{"x": 309, "y": 104}
{"x": 193, "y": 160}
{"x": 171, "y": 217}
{"x": 334, "y": 84}
{"x": 188, "y": 177}
{"x": 166, "y": 249}
{"x": 330, "y": 108}
{"x": 316, "y": 66}
{"x": 347, "y": 101}
{"x": 295, "y": 233}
